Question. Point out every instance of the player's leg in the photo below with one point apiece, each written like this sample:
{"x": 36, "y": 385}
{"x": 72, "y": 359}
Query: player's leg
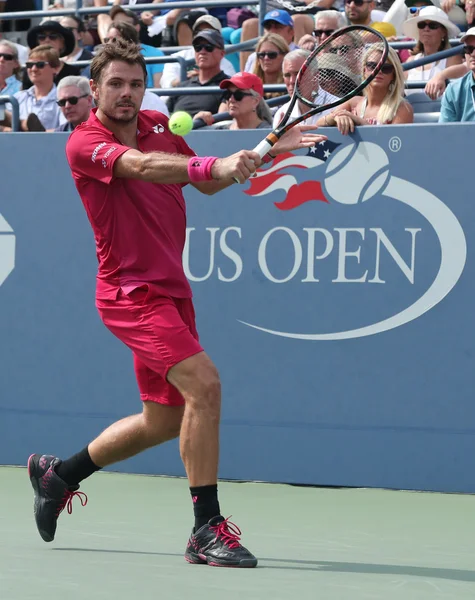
{"x": 214, "y": 540}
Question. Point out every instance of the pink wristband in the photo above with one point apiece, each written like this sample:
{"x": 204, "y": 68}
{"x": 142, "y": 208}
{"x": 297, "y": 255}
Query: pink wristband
{"x": 199, "y": 168}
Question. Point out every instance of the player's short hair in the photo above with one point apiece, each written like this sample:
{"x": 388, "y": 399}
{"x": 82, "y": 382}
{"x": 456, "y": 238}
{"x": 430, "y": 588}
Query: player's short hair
{"x": 47, "y": 53}
{"x": 121, "y": 51}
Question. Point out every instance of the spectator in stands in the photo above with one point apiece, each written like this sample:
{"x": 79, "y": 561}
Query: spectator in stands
{"x": 77, "y": 28}
{"x": 209, "y": 51}
{"x": 432, "y": 29}
{"x": 9, "y": 69}
{"x": 301, "y": 24}
{"x": 53, "y": 34}
{"x": 127, "y": 32}
{"x": 244, "y": 101}
{"x": 383, "y": 101}
{"x": 290, "y": 67}
{"x": 74, "y": 98}
{"x": 458, "y": 102}
{"x": 270, "y": 52}
{"x": 40, "y": 99}
{"x": 358, "y": 12}
{"x": 326, "y": 23}
{"x": 171, "y": 71}
{"x": 279, "y": 22}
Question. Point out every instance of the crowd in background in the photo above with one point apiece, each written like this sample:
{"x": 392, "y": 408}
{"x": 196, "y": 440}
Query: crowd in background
{"x": 54, "y": 94}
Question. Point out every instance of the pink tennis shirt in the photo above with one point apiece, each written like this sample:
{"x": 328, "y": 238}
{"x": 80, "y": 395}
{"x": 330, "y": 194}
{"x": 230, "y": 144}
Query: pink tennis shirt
{"x": 139, "y": 227}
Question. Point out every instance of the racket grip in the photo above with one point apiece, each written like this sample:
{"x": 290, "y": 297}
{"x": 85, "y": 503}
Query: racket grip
{"x": 263, "y": 148}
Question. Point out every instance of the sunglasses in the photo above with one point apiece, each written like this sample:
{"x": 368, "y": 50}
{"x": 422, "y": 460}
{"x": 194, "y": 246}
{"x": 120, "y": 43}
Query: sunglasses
{"x": 466, "y": 49}
{"x": 344, "y": 49}
{"x": 387, "y": 68}
{"x": 112, "y": 40}
{"x": 320, "y": 32}
{"x": 40, "y": 64}
{"x": 6, "y": 56}
{"x": 270, "y": 55}
{"x": 356, "y": 2}
{"x": 430, "y": 24}
{"x": 205, "y": 47}
{"x": 41, "y": 37}
{"x": 238, "y": 95}
{"x": 73, "y": 100}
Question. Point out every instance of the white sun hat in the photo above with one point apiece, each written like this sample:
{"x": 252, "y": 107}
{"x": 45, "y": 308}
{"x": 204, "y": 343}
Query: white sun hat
{"x": 429, "y": 13}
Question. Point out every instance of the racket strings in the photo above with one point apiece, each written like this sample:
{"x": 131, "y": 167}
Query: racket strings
{"x": 339, "y": 67}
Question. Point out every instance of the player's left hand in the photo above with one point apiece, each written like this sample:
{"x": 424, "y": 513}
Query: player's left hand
{"x": 300, "y": 136}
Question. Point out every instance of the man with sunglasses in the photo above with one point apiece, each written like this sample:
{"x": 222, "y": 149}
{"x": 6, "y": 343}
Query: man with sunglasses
{"x": 458, "y": 101}
{"x": 326, "y": 23}
{"x": 209, "y": 51}
{"x": 75, "y": 101}
{"x": 358, "y": 12}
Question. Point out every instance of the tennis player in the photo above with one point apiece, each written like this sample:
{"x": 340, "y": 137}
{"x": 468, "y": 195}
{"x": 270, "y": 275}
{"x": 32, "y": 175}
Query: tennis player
{"x": 129, "y": 171}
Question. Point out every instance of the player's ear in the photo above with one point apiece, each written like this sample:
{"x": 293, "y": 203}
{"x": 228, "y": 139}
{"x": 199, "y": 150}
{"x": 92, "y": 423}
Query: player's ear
{"x": 93, "y": 85}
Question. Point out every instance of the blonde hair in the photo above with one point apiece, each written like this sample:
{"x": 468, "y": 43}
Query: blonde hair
{"x": 282, "y": 46}
{"x": 395, "y": 94}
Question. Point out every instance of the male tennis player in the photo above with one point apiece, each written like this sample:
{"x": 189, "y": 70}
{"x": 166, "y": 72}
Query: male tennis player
{"x": 130, "y": 171}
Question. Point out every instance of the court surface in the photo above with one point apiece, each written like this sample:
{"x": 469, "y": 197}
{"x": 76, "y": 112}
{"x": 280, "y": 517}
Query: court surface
{"x": 313, "y": 543}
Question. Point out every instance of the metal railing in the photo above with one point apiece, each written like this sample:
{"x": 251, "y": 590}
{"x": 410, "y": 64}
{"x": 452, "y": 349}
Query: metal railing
{"x": 15, "y": 110}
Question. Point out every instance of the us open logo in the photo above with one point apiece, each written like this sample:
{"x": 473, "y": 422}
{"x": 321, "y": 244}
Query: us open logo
{"x": 359, "y": 172}
{"x": 351, "y": 250}
{"x": 7, "y": 250}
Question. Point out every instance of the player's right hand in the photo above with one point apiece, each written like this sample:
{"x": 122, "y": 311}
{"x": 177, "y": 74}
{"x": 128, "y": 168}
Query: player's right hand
{"x": 239, "y": 166}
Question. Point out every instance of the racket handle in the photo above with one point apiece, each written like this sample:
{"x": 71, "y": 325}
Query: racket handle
{"x": 263, "y": 148}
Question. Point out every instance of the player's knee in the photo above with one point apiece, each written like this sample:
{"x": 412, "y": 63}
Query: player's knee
{"x": 207, "y": 394}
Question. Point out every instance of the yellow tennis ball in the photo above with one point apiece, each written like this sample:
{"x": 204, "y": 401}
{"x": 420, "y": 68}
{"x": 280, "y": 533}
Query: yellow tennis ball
{"x": 180, "y": 123}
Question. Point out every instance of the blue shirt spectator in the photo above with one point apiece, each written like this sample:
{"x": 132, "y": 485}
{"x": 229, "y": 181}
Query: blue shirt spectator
{"x": 458, "y": 102}
{"x": 13, "y": 85}
{"x": 45, "y": 108}
{"x": 149, "y": 52}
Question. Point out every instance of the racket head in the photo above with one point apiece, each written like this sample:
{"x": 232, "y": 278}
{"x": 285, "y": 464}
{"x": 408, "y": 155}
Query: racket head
{"x": 336, "y": 71}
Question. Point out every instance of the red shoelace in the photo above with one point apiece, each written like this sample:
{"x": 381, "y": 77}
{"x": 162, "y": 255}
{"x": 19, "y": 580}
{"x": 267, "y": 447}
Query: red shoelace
{"x": 67, "y": 501}
{"x": 229, "y": 532}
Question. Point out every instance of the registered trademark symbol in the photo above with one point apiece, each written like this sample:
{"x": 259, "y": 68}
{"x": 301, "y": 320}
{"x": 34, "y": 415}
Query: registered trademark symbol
{"x": 395, "y": 144}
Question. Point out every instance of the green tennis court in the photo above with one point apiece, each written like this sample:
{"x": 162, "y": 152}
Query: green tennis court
{"x": 128, "y": 543}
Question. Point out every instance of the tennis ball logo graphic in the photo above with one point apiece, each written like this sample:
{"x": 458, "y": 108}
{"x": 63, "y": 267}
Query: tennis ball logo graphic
{"x": 356, "y": 173}
{"x": 7, "y": 250}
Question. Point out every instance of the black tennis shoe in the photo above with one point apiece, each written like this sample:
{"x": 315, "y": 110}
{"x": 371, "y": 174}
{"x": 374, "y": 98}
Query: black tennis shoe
{"x": 218, "y": 544}
{"x": 52, "y": 494}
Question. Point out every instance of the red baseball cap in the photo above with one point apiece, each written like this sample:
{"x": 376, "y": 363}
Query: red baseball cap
{"x": 244, "y": 81}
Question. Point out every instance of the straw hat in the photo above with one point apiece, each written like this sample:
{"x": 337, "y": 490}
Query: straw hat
{"x": 429, "y": 13}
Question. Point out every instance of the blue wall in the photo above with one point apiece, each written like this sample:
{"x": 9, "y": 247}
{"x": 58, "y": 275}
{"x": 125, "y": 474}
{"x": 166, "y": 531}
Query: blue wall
{"x": 383, "y": 396}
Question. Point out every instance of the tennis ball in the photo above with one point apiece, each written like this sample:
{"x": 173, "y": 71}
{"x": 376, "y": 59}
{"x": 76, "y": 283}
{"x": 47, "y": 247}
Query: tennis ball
{"x": 356, "y": 173}
{"x": 180, "y": 123}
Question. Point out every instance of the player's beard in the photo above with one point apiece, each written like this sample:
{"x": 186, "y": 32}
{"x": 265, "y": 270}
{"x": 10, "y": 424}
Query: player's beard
{"x": 124, "y": 119}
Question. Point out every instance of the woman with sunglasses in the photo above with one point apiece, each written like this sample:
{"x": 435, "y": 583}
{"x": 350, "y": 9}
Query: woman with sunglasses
{"x": 270, "y": 52}
{"x": 9, "y": 69}
{"x": 432, "y": 30}
{"x": 382, "y": 103}
{"x": 244, "y": 101}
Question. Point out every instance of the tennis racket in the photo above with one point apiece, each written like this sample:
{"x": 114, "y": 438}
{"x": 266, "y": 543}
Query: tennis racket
{"x": 337, "y": 70}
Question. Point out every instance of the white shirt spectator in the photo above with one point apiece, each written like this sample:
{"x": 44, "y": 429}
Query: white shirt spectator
{"x": 426, "y": 72}
{"x": 322, "y": 98}
{"x": 153, "y": 101}
{"x": 45, "y": 108}
{"x": 251, "y": 61}
{"x": 171, "y": 71}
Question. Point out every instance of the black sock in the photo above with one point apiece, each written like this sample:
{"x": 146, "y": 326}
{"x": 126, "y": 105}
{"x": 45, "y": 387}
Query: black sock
{"x": 78, "y": 467}
{"x": 205, "y": 504}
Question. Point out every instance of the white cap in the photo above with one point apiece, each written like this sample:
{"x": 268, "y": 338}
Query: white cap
{"x": 213, "y": 22}
{"x": 468, "y": 33}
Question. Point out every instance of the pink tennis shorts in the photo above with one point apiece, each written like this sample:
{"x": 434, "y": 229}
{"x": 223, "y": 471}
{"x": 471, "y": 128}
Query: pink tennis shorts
{"x": 160, "y": 331}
